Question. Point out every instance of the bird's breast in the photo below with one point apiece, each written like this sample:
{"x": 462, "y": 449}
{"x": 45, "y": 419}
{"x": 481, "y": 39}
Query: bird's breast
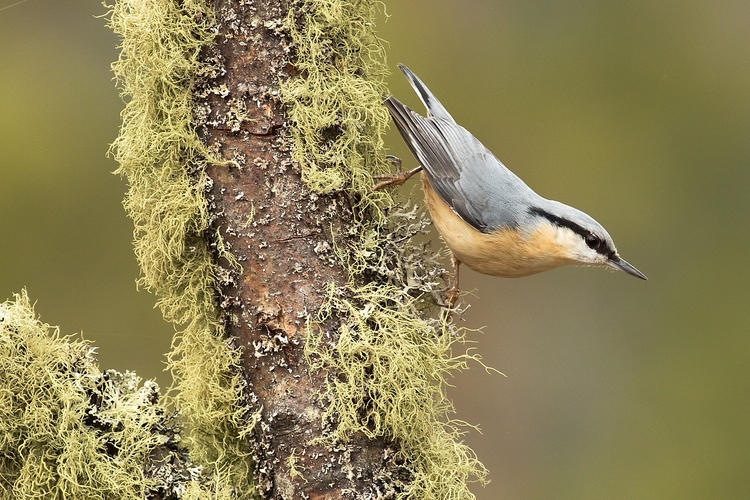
{"x": 506, "y": 252}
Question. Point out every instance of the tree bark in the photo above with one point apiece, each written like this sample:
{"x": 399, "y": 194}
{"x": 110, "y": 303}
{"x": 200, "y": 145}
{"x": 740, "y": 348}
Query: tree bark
{"x": 282, "y": 236}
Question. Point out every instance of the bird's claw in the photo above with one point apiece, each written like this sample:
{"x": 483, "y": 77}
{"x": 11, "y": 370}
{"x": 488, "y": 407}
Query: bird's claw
{"x": 451, "y": 297}
{"x": 389, "y": 180}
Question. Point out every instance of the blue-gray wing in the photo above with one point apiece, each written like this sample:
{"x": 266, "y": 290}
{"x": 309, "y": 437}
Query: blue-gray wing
{"x": 465, "y": 174}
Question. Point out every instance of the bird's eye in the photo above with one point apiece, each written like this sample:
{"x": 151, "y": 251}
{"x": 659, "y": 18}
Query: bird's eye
{"x": 593, "y": 242}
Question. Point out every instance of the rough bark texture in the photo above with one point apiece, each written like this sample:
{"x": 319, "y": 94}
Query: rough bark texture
{"x": 282, "y": 237}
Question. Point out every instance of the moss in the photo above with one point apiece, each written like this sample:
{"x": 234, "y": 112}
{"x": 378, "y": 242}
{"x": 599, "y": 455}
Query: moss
{"x": 390, "y": 359}
{"x": 69, "y": 431}
{"x": 163, "y": 160}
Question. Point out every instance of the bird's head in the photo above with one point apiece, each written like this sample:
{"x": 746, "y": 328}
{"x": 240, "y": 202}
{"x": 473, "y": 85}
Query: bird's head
{"x": 579, "y": 238}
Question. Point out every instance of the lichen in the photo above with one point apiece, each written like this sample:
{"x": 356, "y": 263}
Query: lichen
{"x": 163, "y": 159}
{"x": 68, "y": 430}
{"x": 391, "y": 367}
{"x": 335, "y": 107}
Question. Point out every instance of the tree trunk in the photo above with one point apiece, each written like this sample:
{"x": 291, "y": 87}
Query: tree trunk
{"x": 274, "y": 246}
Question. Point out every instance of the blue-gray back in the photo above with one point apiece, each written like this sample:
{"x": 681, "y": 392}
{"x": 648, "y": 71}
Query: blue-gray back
{"x": 466, "y": 175}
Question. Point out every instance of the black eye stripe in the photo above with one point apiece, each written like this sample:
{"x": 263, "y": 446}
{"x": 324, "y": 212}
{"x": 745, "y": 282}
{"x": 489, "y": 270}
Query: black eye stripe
{"x": 559, "y": 221}
{"x": 594, "y": 242}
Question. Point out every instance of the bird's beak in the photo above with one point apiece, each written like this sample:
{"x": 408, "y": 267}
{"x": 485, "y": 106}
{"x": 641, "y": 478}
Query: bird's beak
{"x": 618, "y": 263}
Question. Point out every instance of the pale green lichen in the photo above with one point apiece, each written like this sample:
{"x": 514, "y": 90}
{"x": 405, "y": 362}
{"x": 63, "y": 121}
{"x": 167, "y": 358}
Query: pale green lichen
{"x": 295, "y": 469}
{"x": 336, "y": 106}
{"x": 163, "y": 160}
{"x": 69, "y": 431}
{"x": 389, "y": 360}
{"x": 391, "y": 366}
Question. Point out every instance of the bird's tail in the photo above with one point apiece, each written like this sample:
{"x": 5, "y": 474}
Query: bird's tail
{"x": 434, "y": 108}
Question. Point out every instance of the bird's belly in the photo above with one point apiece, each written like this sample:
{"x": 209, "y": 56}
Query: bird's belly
{"x": 507, "y": 252}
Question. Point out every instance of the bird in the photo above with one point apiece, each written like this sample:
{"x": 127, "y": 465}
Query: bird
{"x": 488, "y": 217}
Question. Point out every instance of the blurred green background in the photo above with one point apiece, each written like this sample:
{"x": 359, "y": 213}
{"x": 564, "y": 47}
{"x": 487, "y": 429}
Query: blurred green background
{"x": 635, "y": 112}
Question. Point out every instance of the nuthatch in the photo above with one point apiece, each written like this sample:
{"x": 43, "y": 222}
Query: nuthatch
{"x": 489, "y": 218}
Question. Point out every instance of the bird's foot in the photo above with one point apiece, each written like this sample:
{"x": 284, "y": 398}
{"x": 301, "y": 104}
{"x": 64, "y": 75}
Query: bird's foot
{"x": 391, "y": 180}
{"x": 451, "y": 297}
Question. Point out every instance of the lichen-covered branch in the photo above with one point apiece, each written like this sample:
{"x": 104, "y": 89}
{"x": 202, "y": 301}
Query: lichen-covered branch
{"x": 281, "y": 236}
{"x": 347, "y": 368}
{"x": 307, "y": 363}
